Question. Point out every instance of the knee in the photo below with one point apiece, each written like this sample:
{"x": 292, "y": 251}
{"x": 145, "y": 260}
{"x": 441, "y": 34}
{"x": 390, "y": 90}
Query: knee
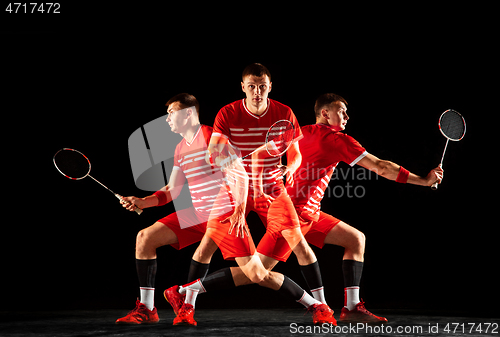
{"x": 142, "y": 239}
{"x": 302, "y": 248}
{"x": 258, "y": 277}
{"x": 204, "y": 252}
{"x": 304, "y": 253}
{"x": 360, "y": 241}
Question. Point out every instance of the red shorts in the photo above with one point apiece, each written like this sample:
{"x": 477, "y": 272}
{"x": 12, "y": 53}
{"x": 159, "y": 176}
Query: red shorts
{"x": 188, "y": 225}
{"x": 314, "y": 232}
{"x": 230, "y": 246}
{"x": 281, "y": 215}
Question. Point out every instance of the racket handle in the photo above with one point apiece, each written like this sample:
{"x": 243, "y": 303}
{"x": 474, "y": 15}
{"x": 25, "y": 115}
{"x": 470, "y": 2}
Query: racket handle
{"x": 137, "y": 209}
{"x": 434, "y": 186}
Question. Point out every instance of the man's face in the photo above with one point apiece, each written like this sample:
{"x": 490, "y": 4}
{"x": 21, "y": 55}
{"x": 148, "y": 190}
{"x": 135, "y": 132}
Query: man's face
{"x": 177, "y": 117}
{"x": 256, "y": 89}
{"x": 336, "y": 115}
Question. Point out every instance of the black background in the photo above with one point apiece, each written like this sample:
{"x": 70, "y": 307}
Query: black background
{"x": 91, "y": 76}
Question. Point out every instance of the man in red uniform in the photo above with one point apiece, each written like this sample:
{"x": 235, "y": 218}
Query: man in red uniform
{"x": 242, "y": 126}
{"x": 326, "y": 146}
{"x": 186, "y": 226}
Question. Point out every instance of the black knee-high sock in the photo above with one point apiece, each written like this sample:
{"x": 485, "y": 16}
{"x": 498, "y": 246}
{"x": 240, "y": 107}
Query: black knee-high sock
{"x": 352, "y": 278}
{"x": 312, "y": 275}
{"x": 146, "y": 272}
{"x": 352, "y": 272}
{"x": 291, "y": 289}
{"x": 197, "y": 270}
{"x": 221, "y": 279}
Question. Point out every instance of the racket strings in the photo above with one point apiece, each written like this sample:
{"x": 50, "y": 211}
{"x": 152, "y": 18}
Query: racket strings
{"x": 452, "y": 125}
{"x": 72, "y": 164}
{"x": 280, "y": 137}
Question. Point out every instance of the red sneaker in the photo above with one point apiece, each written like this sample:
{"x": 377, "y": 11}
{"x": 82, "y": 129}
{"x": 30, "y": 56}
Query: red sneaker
{"x": 140, "y": 315}
{"x": 322, "y": 314}
{"x": 360, "y": 315}
{"x": 185, "y": 316}
{"x": 175, "y": 299}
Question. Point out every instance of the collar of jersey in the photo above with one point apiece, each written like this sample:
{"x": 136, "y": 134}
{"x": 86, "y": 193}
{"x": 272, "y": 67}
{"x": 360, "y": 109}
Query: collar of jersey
{"x": 252, "y": 114}
{"x": 195, "y": 135}
{"x": 326, "y": 126}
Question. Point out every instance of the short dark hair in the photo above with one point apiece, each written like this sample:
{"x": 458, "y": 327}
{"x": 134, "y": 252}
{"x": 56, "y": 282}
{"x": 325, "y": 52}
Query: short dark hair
{"x": 256, "y": 69}
{"x": 327, "y": 99}
{"x": 185, "y": 101}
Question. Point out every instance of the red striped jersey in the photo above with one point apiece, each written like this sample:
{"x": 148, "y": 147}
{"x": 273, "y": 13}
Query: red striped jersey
{"x": 204, "y": 180}
{"x": 325, "y": 149}
{"x": 247, "y": 131}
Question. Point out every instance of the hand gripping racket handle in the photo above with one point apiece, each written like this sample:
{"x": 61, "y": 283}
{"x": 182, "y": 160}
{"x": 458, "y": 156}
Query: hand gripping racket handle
{"x": 434, "y": 186}
{"x": 137, "y": 209}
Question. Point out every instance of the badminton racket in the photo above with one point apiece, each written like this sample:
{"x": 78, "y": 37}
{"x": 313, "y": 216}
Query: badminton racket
{"x": 75, "y": 165}
{"x": 452, "y": 126}
{"x": 279, "y": 138}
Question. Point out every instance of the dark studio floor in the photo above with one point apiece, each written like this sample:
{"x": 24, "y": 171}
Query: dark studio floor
{"x": 238, "y": 322}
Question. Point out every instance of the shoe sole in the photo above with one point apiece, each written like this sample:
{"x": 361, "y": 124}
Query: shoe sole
{"x": 136, "y": 323}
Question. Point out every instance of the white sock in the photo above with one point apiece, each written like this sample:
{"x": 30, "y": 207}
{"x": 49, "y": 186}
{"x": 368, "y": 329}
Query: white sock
{"x": 351, "y": 297}
{"x": 195, "y": 285}
{"x": 307, "y": 300}
{"x": 319, "y": 294}
{"x": 148, "y": 297}
{"x": 191, "y": 295}
{"x": 192, "y": 290}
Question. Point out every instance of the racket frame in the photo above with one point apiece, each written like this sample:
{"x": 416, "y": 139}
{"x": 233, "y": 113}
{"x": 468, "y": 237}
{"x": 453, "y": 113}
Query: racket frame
{"x": 64, "y": 174}
{"x": 441, "y": 129}
{"x": 435, "y": 185}
{"x": 137, "y": 210}
{"x": 271, "y": 143}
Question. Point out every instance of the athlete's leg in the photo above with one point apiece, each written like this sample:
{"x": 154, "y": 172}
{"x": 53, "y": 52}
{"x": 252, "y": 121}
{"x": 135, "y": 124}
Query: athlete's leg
{"x": 147, "y": 241}
{"x": 205, "y": 250}
{"x": 166, "y": 231}
{"x": 293, "y": 237}
{"x": 350, "y": 238}
{"x": 304, "y": 253}
{"x": 201, "y": 259}
{"x": 353, "y": 242}
{"x": 253, "y": 269}
{"x": 197, "y": 270}
{"x": 284, "y": 233}
{"x": 268, "y": 262}
{"x": 151, "y": 238}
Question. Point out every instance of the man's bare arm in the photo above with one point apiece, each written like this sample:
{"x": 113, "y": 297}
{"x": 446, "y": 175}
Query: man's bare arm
{"x": 390, "y": 170}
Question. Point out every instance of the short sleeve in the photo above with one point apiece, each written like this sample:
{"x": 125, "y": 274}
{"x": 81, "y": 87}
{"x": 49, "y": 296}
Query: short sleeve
{"x": 298, "y": 131}
{"x": 349, "y": 149}
{"x": 221, "y": 123}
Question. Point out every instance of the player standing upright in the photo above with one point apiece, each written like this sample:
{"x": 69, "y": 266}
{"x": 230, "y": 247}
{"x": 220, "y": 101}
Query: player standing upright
{"x": 327, "y": 146}
{"x": 243, "y": 125}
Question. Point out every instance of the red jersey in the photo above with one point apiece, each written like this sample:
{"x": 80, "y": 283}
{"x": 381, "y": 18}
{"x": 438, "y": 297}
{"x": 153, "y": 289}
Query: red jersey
{"x": 246, "y": 131}
{"x": 325, "y": 149}
{"x": 204, "y": 180}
